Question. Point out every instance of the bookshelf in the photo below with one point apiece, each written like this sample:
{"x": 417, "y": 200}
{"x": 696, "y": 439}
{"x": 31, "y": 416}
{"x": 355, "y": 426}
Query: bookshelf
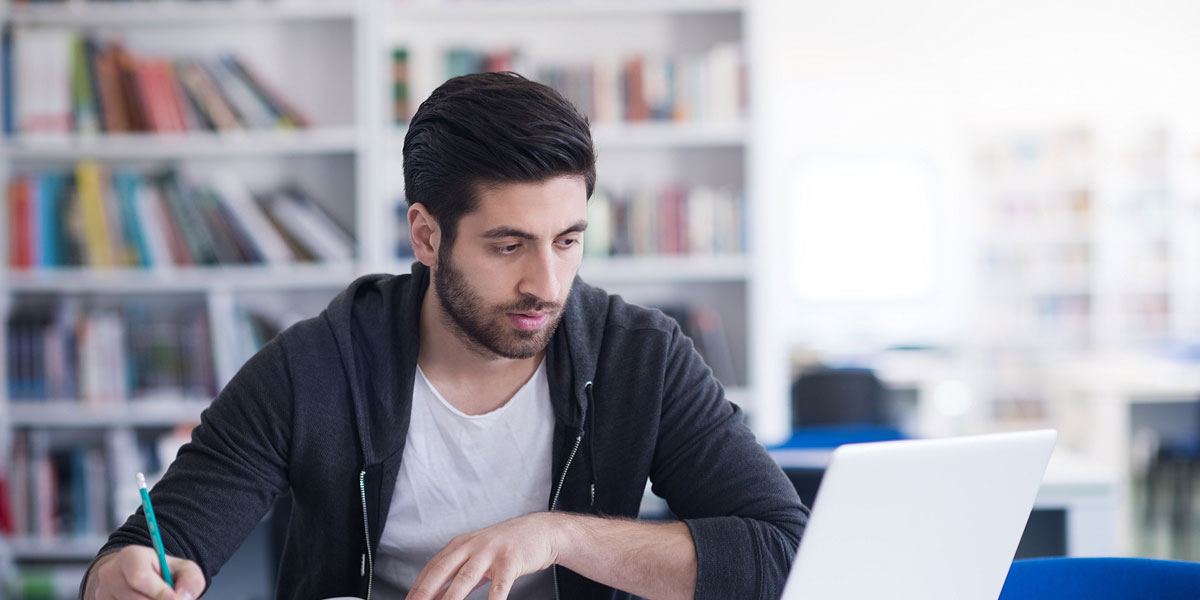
{"x": 117, "y": 429}
{"x": 333, "y": 61}
{"x": 1087, "y": 247}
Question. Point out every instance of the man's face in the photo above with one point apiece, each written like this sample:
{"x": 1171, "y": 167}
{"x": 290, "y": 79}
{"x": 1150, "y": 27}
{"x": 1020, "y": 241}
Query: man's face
{"x": 504, "y": 282}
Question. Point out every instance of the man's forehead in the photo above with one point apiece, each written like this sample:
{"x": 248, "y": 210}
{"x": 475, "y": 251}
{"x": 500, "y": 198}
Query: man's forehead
{"x": 548, "y": 207}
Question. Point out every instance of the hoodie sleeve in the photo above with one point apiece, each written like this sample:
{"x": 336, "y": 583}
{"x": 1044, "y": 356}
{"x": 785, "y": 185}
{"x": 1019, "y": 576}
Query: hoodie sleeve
{"x": 744, "y": 514}
{"x": 228, "y": 476}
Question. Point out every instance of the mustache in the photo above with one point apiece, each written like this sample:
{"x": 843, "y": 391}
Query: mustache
{"x": 532, "y": 305}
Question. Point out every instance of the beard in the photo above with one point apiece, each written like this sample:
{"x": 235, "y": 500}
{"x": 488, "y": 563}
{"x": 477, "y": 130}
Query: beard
{"x": 487, "y": 328}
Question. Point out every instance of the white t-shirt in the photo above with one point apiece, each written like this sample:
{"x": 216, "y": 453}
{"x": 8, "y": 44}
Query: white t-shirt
{"x": 461, "y": 473}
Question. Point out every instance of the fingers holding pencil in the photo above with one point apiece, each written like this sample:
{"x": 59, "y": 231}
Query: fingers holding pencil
{"x": 189, "y": 579}
{"x": 133, "y": 572}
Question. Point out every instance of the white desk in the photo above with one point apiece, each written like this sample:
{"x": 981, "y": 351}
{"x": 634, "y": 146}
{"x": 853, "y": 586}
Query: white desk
{"x": 1092, "y": 401}
{"x": 1087, "y": 492}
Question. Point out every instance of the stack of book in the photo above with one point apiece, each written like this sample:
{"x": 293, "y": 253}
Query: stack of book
{"x": 704, "y": 87}
{"x": 677, "y": 220}
{"x": 68, "y": 485}
{"x": 59, "y": 82}
{"x": 93, "y": 218}
{"x": 97, "y": 358}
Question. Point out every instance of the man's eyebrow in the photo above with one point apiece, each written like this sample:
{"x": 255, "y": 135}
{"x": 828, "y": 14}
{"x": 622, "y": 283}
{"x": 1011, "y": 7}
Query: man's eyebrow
{"x": 578, "y": 227}
{"x": 505, "y": 231}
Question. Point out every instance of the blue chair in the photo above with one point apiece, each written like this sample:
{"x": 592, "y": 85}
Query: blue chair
{"x": 1102, "y": 579}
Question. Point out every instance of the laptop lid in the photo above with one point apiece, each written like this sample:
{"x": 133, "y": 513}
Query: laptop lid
{"x": 920, "y": 519}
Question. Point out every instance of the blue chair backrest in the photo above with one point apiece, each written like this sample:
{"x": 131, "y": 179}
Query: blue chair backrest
{"x": 1102, "y": 579}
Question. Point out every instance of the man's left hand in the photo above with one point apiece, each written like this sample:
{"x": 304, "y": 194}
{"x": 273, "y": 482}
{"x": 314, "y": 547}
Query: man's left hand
{"x": 499, "y": 554}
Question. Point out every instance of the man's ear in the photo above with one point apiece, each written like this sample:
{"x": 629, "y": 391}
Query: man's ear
{"x": 425, "y": 233}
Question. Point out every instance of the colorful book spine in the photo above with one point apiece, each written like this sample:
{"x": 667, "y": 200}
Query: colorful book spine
{"x": 58, "y": 81}
{"x": 290, "y": 115}
{"x": 676, "y": 220}
{"x": 6, "y": 81}
{"x": 401, "y": 110}
{"x": 97, "y": 232}
{"x": 85, "y": 111}
{"x": 707, "y": 86}
{"x": 125, "y": 187}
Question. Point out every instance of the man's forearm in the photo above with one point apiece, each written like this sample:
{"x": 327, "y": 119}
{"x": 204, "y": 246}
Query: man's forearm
{"x": 648, "y": 559}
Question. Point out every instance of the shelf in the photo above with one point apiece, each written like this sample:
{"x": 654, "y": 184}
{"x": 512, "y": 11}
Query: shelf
{"x": 331, "y": 140}
{"x": 183, "y": 279}
{"x": 665, "y": 269}
{"x": 138, "y": 413}
{"x": 669, "y": 135}
{"x": 56, "y": 549}
{"x": 666, "y": 135}
{"x": 79, "y": 14}
{"x": 522, "y": 9}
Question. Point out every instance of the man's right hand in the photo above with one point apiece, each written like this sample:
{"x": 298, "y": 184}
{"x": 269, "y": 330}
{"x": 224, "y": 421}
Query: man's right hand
{"x": 133, "y": 573}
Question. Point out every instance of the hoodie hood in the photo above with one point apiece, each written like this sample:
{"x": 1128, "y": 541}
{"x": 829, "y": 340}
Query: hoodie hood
{"x": 381, "y": 368}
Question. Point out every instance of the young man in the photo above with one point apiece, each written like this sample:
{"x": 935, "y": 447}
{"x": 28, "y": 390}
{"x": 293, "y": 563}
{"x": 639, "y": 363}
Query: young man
{"x": 487, "y": 422}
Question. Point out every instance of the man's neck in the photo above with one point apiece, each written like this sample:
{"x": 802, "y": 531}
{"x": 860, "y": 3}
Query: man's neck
{"x": 472, "y": 379}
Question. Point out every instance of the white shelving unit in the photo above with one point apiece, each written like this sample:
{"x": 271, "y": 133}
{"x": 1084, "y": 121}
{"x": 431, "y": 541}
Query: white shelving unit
{"x": 332, "y": 58}
{"x": 1088, "y": 248}
{"x": 304, "y": 48}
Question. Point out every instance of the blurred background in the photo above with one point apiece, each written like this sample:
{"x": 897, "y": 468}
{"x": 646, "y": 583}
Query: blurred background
{"x": 877, "y": 220}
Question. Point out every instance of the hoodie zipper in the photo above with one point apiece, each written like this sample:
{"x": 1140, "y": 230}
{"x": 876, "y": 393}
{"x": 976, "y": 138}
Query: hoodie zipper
{"x": 562, "y": 479}
{"x": 362, "y": 490}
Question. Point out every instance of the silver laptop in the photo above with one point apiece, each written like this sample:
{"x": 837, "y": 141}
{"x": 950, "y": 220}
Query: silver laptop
{"x": 921, "y": 520}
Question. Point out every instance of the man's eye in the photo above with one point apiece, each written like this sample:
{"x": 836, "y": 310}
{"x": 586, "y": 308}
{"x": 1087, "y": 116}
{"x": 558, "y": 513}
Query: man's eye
{"x": 508, "y": 249}
{"x": 568, "y": 242}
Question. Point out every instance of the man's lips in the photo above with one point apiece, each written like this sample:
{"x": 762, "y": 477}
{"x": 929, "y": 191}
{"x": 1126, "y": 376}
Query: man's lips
{"x": 528, "y": 321}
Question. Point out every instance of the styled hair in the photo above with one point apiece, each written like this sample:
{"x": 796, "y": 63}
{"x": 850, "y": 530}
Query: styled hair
{"x": 491, "y": 128}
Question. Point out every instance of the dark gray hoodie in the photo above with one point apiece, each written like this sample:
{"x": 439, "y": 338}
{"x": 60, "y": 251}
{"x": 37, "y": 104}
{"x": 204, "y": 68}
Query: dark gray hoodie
{"x": 323, "y": 411}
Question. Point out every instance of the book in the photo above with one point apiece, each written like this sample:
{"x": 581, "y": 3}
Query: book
{"x": 131, "y": 94}
{"x": 250, "y": 219}
{"x": 310, "y": 226}
{"x": 42, "y": 65}
{"x": 126, "y": 185}
{"x": 401, "y": 110}
{"x": 201, "y": 246}
{"x": 113, "y": 112}
{"x": 85, "y": 110}
{"x": 160, "y": 116}
{"x": 19, "y": 223}
{"x": 98, "y": 243}
{"x": 230, "y": 246}
{"x": 251, "y": 110}
{"x": 206, "y": 96}
{"x": 6, "y": 81}
{"x": 290, "y": 116}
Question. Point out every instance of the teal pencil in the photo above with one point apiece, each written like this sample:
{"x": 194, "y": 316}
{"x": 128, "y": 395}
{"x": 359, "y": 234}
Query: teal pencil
{"x": 154, "y": 535}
